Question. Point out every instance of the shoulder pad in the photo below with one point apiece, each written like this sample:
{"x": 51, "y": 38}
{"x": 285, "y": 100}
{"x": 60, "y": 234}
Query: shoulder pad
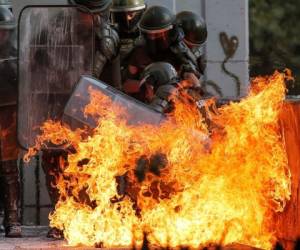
{"x": 109, "y": 42}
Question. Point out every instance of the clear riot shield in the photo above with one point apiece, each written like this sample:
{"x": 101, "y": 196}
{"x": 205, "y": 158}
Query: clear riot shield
{"x": 55, "y": 48}
{"x": 135, "y": 111}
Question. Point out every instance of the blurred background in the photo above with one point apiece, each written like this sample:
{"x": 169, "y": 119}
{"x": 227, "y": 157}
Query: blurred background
{"x": 275, "y": 38}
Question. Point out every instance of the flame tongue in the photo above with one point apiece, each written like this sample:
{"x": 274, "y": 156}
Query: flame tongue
{"x": 185, "y": 185}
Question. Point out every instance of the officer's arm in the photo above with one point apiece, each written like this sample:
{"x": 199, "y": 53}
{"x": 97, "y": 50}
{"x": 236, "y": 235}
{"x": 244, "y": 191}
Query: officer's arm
{"x": 164, "y": 98}
{"x": 108, "y": 48}
{"x": 131, "y": 84}
{"x": 191, "y": 79}
{"x": 188, "y": 61}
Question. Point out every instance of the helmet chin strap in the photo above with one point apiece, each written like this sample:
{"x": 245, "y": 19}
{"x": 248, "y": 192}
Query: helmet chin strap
{"x": 144, "y": 80}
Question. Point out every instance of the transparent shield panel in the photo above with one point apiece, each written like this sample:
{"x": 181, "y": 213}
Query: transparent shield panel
{"x": 55, "y": 49}
{"x": 133, "y": 111}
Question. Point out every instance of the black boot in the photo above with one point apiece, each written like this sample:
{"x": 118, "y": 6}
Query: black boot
{"x": 12, "y": 226}
{"x": 55, "y": 233}
{"x": 11, "y": 187}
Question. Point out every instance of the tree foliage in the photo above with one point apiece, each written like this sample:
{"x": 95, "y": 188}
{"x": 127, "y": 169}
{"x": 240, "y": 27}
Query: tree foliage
{"x": 275, "y": 38}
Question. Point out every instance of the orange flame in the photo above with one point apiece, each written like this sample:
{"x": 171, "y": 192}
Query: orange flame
{"x": 216, "y": 185}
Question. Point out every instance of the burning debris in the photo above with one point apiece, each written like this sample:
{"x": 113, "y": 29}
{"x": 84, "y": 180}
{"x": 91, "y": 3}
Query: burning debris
{"x": 176, "y": 181}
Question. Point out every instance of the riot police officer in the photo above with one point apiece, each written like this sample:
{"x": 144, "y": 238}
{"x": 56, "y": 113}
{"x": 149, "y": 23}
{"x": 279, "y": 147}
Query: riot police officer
{"x": 125, "y": 15}
{"x": 107, "y": 44}
{"x": 106, "y": 67}
{"x": 8, "y": 138}
{"x": 161, "y": 86}
{"x": 163, "y": 41}
{"x": 195, "y": 35}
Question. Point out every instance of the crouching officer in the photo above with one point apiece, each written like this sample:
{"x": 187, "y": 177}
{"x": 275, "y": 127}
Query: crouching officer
{"x": 8, "y": 133}
{"x": 163, "y": 41}
{"x": 195, "y": 36}
{"x": 159, "y": 85}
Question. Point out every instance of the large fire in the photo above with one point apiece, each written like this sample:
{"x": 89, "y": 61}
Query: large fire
{"x": 188, "y": 184}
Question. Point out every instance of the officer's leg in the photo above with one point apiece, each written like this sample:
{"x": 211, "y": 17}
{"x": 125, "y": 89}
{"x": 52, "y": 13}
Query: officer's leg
{"x": 9, "y": 170}
{"x": 50, "y": 164}
{"x": 51, "y": 161}
{"x": 11, "y": 190}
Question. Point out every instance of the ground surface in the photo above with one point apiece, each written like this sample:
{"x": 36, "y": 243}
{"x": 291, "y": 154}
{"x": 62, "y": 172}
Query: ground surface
{"x": 34, "y": 238}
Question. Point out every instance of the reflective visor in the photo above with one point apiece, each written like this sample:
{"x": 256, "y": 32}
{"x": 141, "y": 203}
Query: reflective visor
{"x": 157, "y": 41}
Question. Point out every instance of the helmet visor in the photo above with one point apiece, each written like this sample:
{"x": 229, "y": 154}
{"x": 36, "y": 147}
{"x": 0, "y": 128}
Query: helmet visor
{"x": 127, "y": 21}
{"x": 157, "y": 41}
